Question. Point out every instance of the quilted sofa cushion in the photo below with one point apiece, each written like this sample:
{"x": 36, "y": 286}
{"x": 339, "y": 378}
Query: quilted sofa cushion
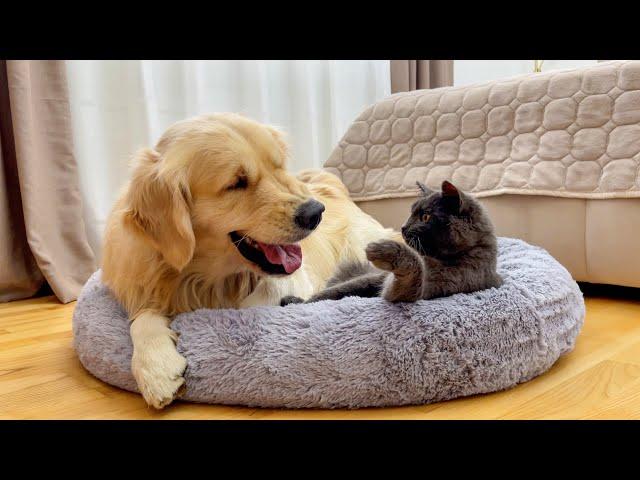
{"x": 569, "y": 133}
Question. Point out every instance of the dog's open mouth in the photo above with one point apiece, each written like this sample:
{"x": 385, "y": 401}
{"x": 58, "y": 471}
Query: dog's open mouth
{"x": 272, "y": 259}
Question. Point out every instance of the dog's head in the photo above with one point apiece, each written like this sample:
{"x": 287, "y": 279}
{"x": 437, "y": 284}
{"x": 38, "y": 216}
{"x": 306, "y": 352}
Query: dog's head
{"x": 218, "y": 182}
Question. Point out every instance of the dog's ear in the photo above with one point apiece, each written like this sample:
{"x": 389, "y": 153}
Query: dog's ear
{"x": 281, "y": 140}
{"x": 424, "y": 189}
{"x": 157, "y": 208}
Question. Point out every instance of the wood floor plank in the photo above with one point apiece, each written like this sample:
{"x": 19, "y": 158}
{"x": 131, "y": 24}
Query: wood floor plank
{"x": 41, "y": 377}
{"x": 580, "y": 395}
{"x": 631, "y": 354}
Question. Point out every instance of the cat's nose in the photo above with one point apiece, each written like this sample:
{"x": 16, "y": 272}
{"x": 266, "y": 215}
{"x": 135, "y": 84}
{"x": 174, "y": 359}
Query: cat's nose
{"x": 404, "y": 229}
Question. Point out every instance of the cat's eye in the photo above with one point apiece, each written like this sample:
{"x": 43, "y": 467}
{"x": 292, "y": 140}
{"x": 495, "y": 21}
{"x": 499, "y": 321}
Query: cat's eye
{"x": 240, "y": 183}
{"x": 425, "y": 217}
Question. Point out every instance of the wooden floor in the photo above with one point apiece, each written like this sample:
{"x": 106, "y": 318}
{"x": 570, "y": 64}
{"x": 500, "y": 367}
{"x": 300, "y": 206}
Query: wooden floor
{"x": 41, "y": 378}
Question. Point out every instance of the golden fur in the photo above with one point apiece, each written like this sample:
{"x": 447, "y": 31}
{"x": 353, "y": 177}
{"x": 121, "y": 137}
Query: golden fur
{"x": 167, "y": 247}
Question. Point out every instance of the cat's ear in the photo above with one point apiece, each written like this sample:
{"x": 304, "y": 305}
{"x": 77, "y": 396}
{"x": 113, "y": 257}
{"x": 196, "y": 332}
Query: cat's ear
{"x": 449, "y": 189}
{"x": 452, "y": 195}
{"x": 424, "y": 189}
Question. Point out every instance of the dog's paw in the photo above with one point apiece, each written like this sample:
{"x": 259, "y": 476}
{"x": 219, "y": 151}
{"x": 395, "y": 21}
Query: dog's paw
{"x": 284, "y": 301}
{"x": 158, "y": 369}
{"x": 384, "y": 254}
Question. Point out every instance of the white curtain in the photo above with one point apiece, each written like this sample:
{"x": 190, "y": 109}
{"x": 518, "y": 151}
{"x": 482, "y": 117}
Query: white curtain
{"x": 466, "y": 72}
{"x": 119, "y": 106}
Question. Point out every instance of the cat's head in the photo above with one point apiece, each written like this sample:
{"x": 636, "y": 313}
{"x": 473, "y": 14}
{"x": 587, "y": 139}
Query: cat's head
{"x": 444, "y": 224}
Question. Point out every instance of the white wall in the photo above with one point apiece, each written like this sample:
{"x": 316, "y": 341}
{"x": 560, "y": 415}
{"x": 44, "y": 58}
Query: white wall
{"x": 466, "y": 72}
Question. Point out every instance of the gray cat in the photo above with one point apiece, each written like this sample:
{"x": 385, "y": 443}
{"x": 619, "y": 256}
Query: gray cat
{"x": 450, "y": 248}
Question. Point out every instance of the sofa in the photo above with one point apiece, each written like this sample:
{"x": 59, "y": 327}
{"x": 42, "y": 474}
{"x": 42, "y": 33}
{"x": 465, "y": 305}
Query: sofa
{"x": 554, "y": 157}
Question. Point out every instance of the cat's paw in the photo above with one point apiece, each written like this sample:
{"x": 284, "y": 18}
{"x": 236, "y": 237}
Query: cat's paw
{"x": 384, "y": 254}
{"x": 284, "y": 301}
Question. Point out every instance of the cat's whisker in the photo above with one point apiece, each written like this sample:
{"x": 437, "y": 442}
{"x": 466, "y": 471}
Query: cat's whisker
{"x": 418, "y": 246}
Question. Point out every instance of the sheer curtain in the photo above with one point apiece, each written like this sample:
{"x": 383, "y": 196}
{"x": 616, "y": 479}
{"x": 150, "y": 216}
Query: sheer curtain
{"x": 468, "y": 72}
{"x": 119, "y": 106}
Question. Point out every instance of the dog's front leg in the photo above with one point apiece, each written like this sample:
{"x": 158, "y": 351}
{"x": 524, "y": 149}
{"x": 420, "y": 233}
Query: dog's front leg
{"x": 156, "y": 364}
{"x": 269, "y": 291}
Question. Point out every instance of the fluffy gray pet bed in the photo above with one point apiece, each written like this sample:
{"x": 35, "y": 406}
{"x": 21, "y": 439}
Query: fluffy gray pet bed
{"x": 358, "y": 352}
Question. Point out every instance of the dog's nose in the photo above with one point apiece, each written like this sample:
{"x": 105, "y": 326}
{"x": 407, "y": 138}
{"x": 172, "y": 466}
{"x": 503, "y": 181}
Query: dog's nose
{"x": 309, "y": 214}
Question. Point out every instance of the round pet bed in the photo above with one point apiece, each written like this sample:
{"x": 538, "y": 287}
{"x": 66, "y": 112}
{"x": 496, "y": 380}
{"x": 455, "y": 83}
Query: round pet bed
{"x": 358, "y": 352}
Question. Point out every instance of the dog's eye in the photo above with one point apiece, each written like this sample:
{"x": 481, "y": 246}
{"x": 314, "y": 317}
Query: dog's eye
{"x": 425, "y": 217}
{"x": 240, "y": 183}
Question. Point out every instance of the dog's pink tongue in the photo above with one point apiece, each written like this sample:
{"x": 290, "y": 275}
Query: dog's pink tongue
{"x": 289, "y": 256}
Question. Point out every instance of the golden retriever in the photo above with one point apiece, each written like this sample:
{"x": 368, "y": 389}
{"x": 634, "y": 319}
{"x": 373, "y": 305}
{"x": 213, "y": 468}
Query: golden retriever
{"x": 211, "y": 219}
